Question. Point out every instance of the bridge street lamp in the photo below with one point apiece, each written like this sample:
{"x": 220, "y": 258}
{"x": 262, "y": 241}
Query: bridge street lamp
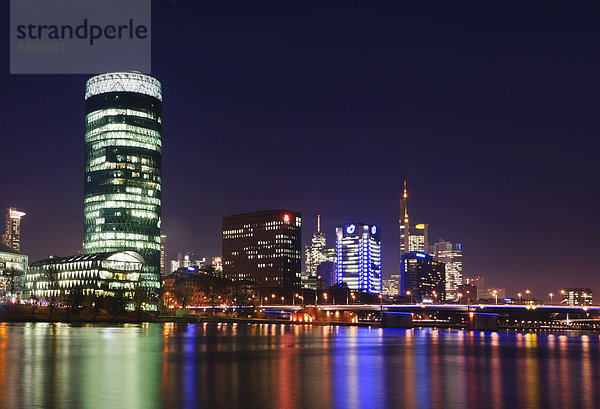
{"x": 551, "y": 295}
{"x": 495, "y": 292}
{"x": 519, "y": 295}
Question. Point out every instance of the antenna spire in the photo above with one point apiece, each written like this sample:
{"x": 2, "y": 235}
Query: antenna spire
{"x": 405, "y": 204}
{"x": 318, "y": 223}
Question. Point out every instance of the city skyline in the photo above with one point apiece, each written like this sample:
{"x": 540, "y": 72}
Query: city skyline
{"x": 495, "y": 196}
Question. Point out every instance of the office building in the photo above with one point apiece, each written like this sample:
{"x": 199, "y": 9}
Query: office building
{"x": 423, "y": 277}
{"x": 418, "y": 238}
{"x": 316, "y": 254}
{"x": 358, "y": 257}
{"x": 391, "y": 287}
{"x": 478, "y": 282}
{"x": 263, "y": 247}
{"x": 315, "y": 251}
{"x": 163, "y": 255}
{"x": 12, "y": 235}
{"x": 451, "y": 255}
{"x": 415, "y": 238}
{"x": 576, "y": 296}
{"x": 101, "y": 274}
{"x": 122, "y": 191}
{"x": 13, "y": 265}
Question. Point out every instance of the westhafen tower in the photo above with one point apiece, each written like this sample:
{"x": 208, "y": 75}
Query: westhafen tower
{"x": 122, "y": 193}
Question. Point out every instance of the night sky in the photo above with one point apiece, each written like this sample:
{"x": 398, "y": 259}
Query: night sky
{"x": 489, "y": 112}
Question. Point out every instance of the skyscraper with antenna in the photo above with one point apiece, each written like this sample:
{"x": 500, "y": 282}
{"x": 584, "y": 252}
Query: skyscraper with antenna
{"x": 415, "y": 238}
{"x": 404, "y": 223}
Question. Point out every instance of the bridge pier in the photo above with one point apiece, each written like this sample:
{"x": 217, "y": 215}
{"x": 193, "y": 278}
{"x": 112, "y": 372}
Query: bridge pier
{"x": 394, "y": 319}
{"x": 479, "y": 321}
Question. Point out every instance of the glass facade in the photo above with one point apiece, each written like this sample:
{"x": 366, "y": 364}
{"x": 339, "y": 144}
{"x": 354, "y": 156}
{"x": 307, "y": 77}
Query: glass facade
{"x": 451, "y": 255}
{"x": 122, "y": 193}
{"x": 101, "y": 274}
{"x": 263, "y": 247}
{"x": 358, "y": 257}
{"x": 423, "y": 276}
{"x": 12, "y": 273}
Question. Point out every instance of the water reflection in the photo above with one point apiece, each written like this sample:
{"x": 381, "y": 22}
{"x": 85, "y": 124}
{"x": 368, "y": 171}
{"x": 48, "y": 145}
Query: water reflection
{"x": 282, "y": 366}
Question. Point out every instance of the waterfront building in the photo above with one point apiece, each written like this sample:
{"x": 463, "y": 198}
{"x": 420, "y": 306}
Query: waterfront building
{"x": 451, "y": 255}
{"x": 100, "y": 274}
{"x": 423, "y": 277}
{"x": 415, "y": 238}
{"x": 12, "y": 235}
{"x": 163, "y": 255}
{"x": 263, "y": 247}
{"x": 576, "y": 296}
{"x": 358, "y": 257}
{"x": 122, "y": 191}
{"x": 13, "y": 265}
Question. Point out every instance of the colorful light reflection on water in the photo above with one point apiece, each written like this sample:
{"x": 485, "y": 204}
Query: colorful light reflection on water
{"x": 284, "y": 366}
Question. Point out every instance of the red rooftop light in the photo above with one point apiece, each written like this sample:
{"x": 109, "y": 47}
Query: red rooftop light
{"x": 286, "y": 217}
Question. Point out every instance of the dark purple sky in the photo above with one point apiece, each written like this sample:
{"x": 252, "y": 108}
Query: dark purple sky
{"x": 490, "y": 113}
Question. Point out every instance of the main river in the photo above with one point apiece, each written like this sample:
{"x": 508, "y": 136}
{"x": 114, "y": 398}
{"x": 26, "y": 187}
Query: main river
{"x": 287, "y": 366}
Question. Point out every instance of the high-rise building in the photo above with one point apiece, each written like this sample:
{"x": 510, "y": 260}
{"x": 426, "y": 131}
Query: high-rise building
{"x": 163, "y": 255}
{"x": 451, "y": 255}
{"x": 315, "y": 250}
{"x": 12, "y": 236}
{"x": 577, "y": 296}
{"x": 404, "y": 222}
{"x": 358, "y": 257}
{"x": 418, "y": 238}
{"x": 414, "y": 238}
{"x": 264, "y": 247}
{"x": 423, "y": 277}
{"x": 122, "y": 191}
{"x": 317, "y": 253}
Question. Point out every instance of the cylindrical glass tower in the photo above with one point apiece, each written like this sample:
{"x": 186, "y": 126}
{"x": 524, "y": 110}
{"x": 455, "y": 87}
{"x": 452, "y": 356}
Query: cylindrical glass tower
{"x": 122, "y": 168}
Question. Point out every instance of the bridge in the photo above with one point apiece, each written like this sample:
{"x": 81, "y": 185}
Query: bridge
{"x": 473, "y": 316}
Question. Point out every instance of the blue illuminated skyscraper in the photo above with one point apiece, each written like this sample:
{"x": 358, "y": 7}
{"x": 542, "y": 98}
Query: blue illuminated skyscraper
{"x": 358, "y": 257}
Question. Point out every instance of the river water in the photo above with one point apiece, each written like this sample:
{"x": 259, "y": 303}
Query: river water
{"x": 292, "y": 366}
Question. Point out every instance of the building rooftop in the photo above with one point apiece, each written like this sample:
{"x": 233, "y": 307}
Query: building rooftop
{"x": 94, "y": 256}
